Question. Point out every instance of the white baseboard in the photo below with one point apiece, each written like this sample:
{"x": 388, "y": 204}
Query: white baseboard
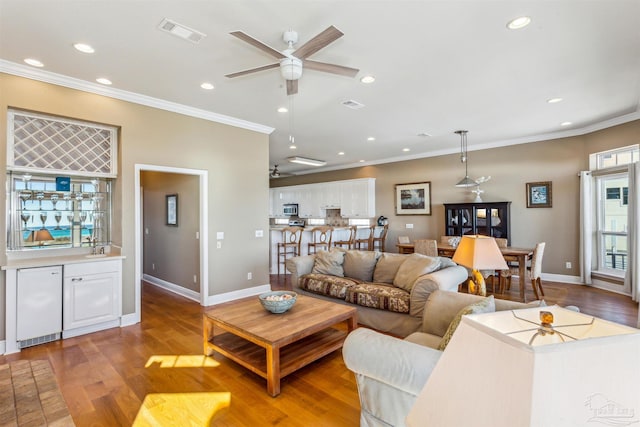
{"x": 129, "y": 319}
{"x": 3, "y": 347}
{"x": 234, "y": 295}
{"x": 562, "y": 278}
{"x": 172, "y": 287}
{"x": 70, "y": 333}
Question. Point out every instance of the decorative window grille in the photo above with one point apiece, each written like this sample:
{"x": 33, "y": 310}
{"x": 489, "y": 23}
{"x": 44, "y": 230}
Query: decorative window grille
{"x": 49, "y": 144}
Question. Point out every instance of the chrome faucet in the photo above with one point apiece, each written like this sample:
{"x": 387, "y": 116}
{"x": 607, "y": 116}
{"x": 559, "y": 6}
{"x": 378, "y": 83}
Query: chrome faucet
{"x": 94, "y": 242}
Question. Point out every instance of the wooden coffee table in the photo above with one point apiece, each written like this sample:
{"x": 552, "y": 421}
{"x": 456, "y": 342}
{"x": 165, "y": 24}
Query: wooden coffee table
{"x": 275, "y": 345}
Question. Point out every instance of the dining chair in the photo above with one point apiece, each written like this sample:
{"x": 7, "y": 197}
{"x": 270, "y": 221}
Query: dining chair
{"x": 502, "y": 277}
{"x": 535, "y": 270}
{"x": 426, "y": 247}
{"x": 320, "y": 238}
{"x": 290, "y": 245}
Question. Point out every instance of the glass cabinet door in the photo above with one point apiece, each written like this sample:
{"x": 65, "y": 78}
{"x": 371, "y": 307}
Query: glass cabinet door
{"x": 42, "y": 215}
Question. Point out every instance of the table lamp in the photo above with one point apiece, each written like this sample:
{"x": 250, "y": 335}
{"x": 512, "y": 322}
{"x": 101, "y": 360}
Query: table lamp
{"x": 479, "y": 253}
{"x": 40, "y": 236}
{"x": 493, "y": 374}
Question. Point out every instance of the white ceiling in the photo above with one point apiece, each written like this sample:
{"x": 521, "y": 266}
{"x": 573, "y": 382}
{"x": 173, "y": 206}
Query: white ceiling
{"x": 439, "y": 66}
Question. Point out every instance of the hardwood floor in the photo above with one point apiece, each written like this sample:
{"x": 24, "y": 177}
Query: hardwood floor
{"x": 106, "y": 376}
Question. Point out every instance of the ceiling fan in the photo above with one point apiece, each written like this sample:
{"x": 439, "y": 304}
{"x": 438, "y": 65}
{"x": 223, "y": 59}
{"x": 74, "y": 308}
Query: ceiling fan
{"x": 275, "y": 173}
{"x": 291, "y": 61}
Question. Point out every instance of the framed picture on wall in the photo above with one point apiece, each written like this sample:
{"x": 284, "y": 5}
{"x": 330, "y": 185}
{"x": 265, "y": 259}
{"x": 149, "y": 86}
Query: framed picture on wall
{"x": 172, "y": 210}
{"x": 413, "y": 199}
{"x": 539, "y": 194}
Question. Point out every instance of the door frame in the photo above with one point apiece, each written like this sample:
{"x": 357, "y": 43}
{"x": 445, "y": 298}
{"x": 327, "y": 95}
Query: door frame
{"x": 203, "y": 229}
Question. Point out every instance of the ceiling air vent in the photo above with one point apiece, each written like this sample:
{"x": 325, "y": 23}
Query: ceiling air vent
{"x": 181, "y": 31}
{"x": 355, "y": 105}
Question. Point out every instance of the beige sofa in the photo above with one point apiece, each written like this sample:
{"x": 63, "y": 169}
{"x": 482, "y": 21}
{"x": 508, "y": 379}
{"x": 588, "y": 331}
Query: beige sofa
{"x": 390, "y": 372}
{"x": 389, "y": 290}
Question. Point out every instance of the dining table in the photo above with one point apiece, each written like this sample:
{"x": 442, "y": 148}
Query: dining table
{"x": 511, "y": 254}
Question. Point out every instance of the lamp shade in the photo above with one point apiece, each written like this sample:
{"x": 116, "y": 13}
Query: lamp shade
{"x": 479, "y": 253}
{"x": 41, "y": 235}
{"x": 488, "y": 377}
{"x": 466, "y": 182}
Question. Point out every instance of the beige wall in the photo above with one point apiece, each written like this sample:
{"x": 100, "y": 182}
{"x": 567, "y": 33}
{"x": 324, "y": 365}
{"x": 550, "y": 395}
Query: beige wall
{"x": 235, "y": 158}
{"x": 557, "y": 160}
{"x": 171, "y": 253}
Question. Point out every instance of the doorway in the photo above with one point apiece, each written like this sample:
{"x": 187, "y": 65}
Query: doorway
{"x": 201, "y": 234}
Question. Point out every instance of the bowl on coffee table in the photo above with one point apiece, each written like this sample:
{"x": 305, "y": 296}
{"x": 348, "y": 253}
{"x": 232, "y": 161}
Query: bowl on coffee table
{"x": 278, "y": 301}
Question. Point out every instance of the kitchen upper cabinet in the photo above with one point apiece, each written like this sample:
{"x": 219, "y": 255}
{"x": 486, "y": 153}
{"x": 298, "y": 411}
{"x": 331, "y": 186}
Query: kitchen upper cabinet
{"x": 355, "y": 198}
{"x": 358, "y": 198}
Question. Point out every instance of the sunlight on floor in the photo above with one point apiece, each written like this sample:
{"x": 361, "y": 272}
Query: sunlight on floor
{"x": 181, "y": 361}
{"x": 180, "y": 409}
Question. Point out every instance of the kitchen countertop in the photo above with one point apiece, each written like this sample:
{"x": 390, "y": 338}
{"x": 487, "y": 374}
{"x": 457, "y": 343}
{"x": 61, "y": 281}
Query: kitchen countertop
{"x": 58, "y": 260}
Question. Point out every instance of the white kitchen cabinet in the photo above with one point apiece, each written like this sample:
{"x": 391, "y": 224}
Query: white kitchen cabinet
{"x": 309, "y": 201}
{"x": 91, "y": 295}
{"x": 329, "y": 193}
{"x": 39, "y": 303}
{"x": 358, "y": 198}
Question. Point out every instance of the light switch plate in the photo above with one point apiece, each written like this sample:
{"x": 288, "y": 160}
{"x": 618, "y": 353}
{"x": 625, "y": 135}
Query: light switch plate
{"x": 220, "y": 235}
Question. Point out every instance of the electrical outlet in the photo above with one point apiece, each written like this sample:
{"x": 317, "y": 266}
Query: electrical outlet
{"x": 249, "y": 276}
{"x": 567, "y": 264}
{"x": 153, "y": 266}
{"x": 219, "y": 245}
{"x": 409, "y": 225}
{"x": 259, "y": 233}
{"x": 195, "y": 279}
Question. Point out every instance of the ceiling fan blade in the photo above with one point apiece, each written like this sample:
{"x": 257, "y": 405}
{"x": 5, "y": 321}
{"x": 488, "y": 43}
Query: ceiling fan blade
{"x": 292, "y": 87}
{"x": 252, "y": 70}
{"x": 330, "y": 68}
{"x": 257, "y": 43}
{"x": 326, "y": 37}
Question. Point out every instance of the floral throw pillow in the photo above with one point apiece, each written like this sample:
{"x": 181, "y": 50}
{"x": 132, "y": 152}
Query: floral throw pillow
{"x": 486, "y": 305}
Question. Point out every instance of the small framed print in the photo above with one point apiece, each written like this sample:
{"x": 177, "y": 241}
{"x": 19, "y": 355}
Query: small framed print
{"x": 413, "y": 199}
{"x": 172, "y": 210}
{"x": 539, "y": 194}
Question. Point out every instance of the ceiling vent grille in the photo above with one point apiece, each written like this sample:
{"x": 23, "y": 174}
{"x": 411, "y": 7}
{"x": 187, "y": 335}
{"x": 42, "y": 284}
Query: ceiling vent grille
{"x": 182, "y": 31}
{"x": 354, "y": 105}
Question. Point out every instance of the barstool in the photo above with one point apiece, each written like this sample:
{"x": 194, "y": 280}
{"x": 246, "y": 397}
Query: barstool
{"x": 290, "y": 245}
{"x": 320, "y": 238}
{"x": 349, "y": 241}
{"x": 379, "y": 241}
{"x": 367, "y": 239}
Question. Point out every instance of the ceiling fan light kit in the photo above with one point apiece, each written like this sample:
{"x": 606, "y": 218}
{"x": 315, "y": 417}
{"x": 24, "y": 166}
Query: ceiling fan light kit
{"x": 464, "y": 157}
{"x": 306, "y": 161}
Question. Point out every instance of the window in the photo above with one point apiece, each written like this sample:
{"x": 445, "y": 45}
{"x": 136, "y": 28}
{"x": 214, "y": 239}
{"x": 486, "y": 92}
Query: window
{"x": 612, "y": 196}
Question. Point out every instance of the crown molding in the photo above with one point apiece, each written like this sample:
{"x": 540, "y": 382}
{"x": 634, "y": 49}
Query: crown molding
{"x": 123, "y": 95}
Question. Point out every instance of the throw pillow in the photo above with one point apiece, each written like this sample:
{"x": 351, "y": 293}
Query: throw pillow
{"x": 415, "y": 266}
{"x": 329, "y": 262}
{"x": 387, "y": 267}
{"x": 360, "y": 264}
{"x": 486, "y": 305}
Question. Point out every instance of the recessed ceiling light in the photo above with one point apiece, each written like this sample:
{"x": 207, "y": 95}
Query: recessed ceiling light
{"x": 103, "y": 81}
{"x": 554, "y": 100}
{"x": 361, "y": 161}
{"x": 371, "y": 138}
{"x": 283, "y": 110}
{"x": 406, "y": 149}
{"x": 206, "y": 86}
{"x": 566, "y": 123}
{"x": 520, "y": 22}
{"x": 34, "y": 62}
{"x": 368, "y": 79}
{"x": 84, "y": 48}
{"x": 292, "y": 147}
{"x": 341, "y": 153}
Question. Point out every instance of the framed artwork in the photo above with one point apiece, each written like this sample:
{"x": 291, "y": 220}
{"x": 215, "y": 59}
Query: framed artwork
{"x": 172, "y": 210}
{"x": 539, "y": 194}
{"x": 413, "y": 199}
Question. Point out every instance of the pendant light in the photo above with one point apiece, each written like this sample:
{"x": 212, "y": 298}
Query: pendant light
{"x": 466, "y": 181}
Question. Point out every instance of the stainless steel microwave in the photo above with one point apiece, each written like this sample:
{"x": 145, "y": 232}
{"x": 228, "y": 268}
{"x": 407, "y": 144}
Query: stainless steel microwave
{"x": 290, "y": 209}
